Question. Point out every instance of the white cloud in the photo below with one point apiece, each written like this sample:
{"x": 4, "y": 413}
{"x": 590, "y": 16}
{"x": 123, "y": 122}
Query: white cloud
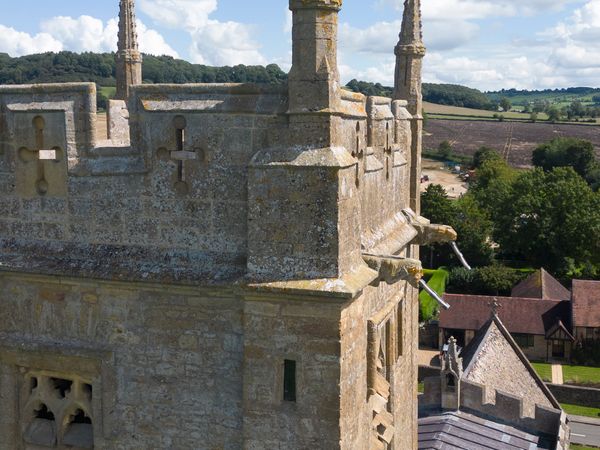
{"x": 479, "y": 9}
{"x": 81, "y": 34}
{"x": 213, "y": 42}
{"x": 17, "y": 43}
{"x": 566, "y": 54}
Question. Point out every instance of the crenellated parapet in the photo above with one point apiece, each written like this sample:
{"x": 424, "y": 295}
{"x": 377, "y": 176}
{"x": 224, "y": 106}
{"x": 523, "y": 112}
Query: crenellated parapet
{"x": 503, "y": 406}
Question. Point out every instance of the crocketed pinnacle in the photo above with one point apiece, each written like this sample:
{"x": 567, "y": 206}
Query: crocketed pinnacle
{"x": 412, "y": 33}
{"x": 127, "y": 28}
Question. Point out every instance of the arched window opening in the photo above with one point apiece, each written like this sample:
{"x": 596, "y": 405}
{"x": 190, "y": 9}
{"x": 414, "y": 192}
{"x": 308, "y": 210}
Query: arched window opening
{"x": 79, "y": 432}
{"x": 42, "y": 428}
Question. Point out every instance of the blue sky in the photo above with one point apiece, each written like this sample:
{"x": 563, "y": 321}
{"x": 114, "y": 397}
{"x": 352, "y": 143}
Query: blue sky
{"x": 488, "y": 44}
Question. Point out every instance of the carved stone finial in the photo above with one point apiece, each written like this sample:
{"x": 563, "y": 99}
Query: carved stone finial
{"x": 128, "y": 59}
{"x": 409, "y": 58}
{"x": 451, "y": 374}
{"x": 495, "y": 306}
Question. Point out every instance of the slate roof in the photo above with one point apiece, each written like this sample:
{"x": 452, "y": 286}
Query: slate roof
{"x": 586, "y": 303}
{"x": 541, "y": 285}
{"x": 519, "y": 315}
{"x": 461, "y": 430}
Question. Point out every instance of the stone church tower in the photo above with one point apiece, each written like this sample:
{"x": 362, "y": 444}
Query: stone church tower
{"x": 128, "y": 59}
{"x": 410, "y": 52}
{"x": 236, "y": 269}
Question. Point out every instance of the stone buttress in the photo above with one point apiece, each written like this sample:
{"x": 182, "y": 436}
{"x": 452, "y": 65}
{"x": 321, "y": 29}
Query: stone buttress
{"x": 235, "y": 268}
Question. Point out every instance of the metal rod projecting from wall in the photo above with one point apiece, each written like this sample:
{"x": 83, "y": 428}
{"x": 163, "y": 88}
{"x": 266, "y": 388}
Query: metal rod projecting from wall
{"x": 460, "y": 256}
{"x": 434, "y": 294}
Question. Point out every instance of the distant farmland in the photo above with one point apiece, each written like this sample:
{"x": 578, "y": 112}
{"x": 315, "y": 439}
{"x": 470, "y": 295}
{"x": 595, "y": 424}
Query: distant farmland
{"x": 515, "y": 140}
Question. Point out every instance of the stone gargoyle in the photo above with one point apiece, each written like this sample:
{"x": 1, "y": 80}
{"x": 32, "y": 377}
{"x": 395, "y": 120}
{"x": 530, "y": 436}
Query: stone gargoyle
{"x": 429, "y": 233}
{"x": 392, "y": 269}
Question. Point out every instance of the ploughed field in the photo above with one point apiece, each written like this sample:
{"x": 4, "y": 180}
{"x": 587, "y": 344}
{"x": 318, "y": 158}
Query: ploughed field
{"x": 515, "y": 140}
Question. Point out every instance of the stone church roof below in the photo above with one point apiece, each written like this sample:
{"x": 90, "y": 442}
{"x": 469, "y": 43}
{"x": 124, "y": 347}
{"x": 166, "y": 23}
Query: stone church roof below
{"x": 542, "y": 285}
{"x": 460, "y": 430}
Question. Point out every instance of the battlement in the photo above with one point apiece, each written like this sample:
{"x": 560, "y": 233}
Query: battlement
{"x": 180, "y": 187}
{"x": 503, "y": 406}
{"x": 208, "y": 183}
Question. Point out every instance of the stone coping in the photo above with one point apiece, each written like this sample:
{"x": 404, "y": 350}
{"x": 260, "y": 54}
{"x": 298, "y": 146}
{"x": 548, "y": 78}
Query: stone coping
{"x": 163, "y": 90}
{"x": 48, "y": 88}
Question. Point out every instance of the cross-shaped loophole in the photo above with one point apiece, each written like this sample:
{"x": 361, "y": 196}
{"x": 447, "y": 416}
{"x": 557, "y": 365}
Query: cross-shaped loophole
{"x": 40, "y": 155}
{"x": 179, "y": 155}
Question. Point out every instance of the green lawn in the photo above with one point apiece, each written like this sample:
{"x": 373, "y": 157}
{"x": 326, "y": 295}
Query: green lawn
{"x": 581, "y": 375}
{"x": 571, "y": 374}
{"x": 577, "y": 410}
{"x": 544, "y": 370}
{"x": 582, "y": 447}
{"x": 437, "y": 282}
{"x": 108, "y": 91}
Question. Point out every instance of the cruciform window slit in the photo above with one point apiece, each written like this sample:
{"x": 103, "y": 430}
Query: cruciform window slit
{"x": 40, "y": 155}
{"x": 180, "y": 155}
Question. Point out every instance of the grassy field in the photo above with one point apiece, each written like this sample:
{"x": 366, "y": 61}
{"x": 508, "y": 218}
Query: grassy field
{"x": 457, "y": 113}
{"x": 576, "y": 410}
{"x": 571, "y": 374}
{"x": 544, "y": 370}
{"x": 443, "y": 110}
{"x": 582, "y": 447}
{"x": 108, "y": 91}
{"x": 581, "y": 375}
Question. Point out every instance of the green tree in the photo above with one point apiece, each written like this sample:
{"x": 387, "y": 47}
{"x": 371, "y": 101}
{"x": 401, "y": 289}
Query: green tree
{"x": 566, "y": 152}
{"x": 436, "y": 205}
{"x": 484, "y": 154}
{"x": 493, "y": 183}
{"x": 474, "y": 228}
{"x": 533, "y": 117}
{"x": 487, "y": 280}
{"x": 470, "y": 222}
{"x": 445, "y": 150}
{"x": 550, "y": 219}
{"x": 553, "y": 114}
{"x": 505, "y": 104}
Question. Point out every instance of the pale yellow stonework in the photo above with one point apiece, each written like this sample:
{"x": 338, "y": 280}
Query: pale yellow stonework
{"x": 200, "y": 280}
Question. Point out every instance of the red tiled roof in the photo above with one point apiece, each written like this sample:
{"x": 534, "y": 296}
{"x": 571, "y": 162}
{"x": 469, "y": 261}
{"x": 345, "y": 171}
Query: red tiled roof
{"x": 586, "y": 303}
{"x": 519, "y": 315}
{"x": 542, "y": 285}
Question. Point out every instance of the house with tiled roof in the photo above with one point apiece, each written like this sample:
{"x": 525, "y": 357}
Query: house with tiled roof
{"x": 489, "y": 396}
{"x": 540, "y": 315}
{"x": 541, "y": 285}
{"x": 586, "y": 309}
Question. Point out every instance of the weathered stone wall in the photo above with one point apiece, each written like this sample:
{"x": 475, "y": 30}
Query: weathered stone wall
{"x": 356, "y": 427}
{"x": 307, "y": 333}
{"x": 213, "y": 192}
{"x": 165, "y": 363}
{"x": 500, "y": 369}
{"x": 575, "y": 395}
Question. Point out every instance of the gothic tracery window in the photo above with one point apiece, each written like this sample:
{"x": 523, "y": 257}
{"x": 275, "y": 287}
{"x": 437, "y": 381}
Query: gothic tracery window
{"x": 56, "y": 412}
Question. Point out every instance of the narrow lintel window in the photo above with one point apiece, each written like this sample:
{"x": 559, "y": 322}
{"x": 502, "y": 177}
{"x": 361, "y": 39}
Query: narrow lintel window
{"x": 400, "y": 331}
{"x": 289, "y": 380}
